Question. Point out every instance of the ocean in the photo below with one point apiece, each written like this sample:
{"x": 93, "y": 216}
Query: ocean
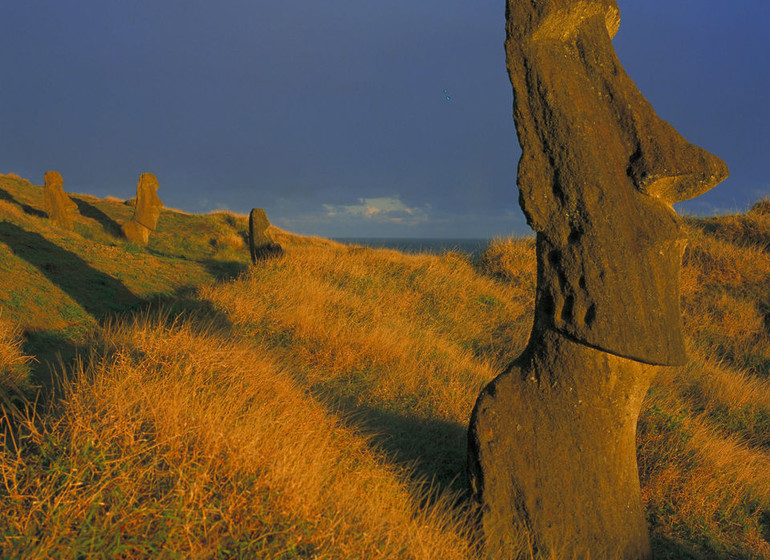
{"x": 473, "y": 247}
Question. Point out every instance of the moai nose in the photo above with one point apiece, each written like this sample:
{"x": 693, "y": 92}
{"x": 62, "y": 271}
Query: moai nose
{"x": 661, "y": 163}
{"x": 668, "y": 167}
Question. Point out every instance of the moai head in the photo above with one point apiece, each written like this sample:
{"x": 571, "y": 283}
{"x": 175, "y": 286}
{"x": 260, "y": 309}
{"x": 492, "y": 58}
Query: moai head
{"x": 261, "y": 244}
{"x": 60, "y": 208}
{"x": 148, "y": 203}
{"x": 597, "y": 178}
{"x": 258, "y": 224}
{"x": 53, "y": 180}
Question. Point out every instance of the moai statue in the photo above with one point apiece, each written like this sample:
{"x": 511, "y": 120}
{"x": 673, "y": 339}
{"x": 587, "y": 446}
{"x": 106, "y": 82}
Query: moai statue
{"x": 147, "y": 211}
{"x": 60, "y": 208}
{"x": 261, "y": 244}
{"x": 552, "y": 455}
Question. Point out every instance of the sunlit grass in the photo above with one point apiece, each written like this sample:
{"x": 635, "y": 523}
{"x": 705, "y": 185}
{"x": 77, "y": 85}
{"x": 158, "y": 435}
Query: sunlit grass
{"x": 315, "y": 406}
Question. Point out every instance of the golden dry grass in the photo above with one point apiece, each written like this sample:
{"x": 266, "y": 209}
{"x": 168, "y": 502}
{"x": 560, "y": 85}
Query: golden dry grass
{"x": 315, "y": 406}
{"x": 14, "y": 368}
{"x": 175, "y": 429}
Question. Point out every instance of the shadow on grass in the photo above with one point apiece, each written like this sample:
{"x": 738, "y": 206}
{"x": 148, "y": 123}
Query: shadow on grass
{"x": 96, "y": 292}
{"x": 434, "y": 449}
{"x": 755, "y": 363}
{"x": 183, "y": 305}
{"x": 51, "y": 349}
{"x": 664, "y": 548}
{"x": 56, "y": 350}
{"x": 100, "y": 295}
{"x": 4, "y": 195}
{"x": 224, "y": 270}
{"x": 218, "y": 269}
{"x": 90, "y": 211}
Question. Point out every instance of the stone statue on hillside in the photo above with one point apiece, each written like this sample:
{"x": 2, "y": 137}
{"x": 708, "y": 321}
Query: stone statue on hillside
{"x": 60, "y": 208}
{"x": 552, "y": 450}
{"x": 147, "y": 211}
{"x": 261, "y": 244}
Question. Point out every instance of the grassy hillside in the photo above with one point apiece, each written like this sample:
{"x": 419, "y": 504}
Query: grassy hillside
{"x": 315, "y": 406}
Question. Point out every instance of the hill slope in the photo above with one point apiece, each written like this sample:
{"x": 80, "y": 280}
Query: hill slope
{"x": 298, "y": 409}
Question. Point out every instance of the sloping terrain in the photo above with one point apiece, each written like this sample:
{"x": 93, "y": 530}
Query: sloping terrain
{"x": 315, "y": 406}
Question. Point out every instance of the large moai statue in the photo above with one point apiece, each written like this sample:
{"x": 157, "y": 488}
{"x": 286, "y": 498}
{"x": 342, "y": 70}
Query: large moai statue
{"x": 59, "y": 207}
{"x": 261, "y": 245}
{"x": 552, "y": 452}
{"x": 147, "y": 211}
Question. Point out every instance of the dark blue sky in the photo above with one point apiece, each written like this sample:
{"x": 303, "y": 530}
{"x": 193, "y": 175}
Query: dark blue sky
{"x": 333, "y": 115}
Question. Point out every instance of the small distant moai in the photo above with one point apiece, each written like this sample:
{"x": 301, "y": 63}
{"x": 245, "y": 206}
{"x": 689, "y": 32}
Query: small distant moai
{"x": 552, "y": 452}
{"x": 147, "y": 211}
{"x": 261, "y": 244}
{"x": 60, "y": 208}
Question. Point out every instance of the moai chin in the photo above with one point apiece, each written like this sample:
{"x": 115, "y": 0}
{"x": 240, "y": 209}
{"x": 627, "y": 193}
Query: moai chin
{"x": 552, "y": 440}
{"x": 261, "y": 245}
{"x": 147, "y": 211}
{"x": 60, "y": 208}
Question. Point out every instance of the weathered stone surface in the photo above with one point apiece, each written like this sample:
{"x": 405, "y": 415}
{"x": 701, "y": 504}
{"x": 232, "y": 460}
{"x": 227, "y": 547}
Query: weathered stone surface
{"x": 261, "y": 245}
{"x": 552, "y": 453}
{"x": 59, "y": 207}
{"x": 597, "y": 177}
{"x": 552, "y": 440}
{"x": 147, "y": 210}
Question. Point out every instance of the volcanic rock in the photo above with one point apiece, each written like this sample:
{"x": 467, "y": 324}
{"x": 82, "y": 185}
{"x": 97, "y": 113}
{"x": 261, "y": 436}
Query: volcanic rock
{"x": 60, "y": 208}
{"x": 261, "y": 245}
{"x": 552, "y": 440}
{"x": 147, "y": 210}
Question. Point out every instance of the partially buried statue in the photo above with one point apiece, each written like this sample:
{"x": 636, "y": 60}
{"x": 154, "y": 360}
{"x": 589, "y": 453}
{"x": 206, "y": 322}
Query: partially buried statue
{"x": 60, "y": 208}
{"x": 147, "y": 211}
{"x": 261, "y": 245}
{"x": 552, "y": 452}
